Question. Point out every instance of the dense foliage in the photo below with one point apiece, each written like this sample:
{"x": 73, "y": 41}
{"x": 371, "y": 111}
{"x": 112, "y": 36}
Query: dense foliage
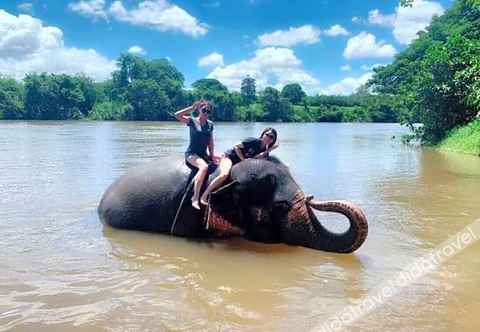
{"x": 154, "y": 89}
{"x": 436, "y": 80}
{"x": 12, "y": 96}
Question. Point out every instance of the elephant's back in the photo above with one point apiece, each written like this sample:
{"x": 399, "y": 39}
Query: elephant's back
{"x": 146, "y": 197}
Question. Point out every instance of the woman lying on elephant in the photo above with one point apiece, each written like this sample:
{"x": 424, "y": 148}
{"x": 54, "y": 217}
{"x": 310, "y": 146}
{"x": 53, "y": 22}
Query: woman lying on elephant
{"x": 201, "y": 137}
{"x": 249, "y": 148}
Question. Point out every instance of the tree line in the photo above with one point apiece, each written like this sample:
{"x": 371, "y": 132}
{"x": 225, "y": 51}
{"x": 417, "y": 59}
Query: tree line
{"x": 154, "y": 89}
{"x": 436, "y": 80}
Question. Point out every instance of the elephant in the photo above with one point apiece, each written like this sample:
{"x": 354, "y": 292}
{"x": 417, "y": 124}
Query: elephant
{"x": 260, "y": 201}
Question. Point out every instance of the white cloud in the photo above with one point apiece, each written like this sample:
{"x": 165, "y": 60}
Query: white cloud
{"x": 26, "y": 7}
{"x": 346, "y": 68}
{"x": 407, "y": 21}
{"x": 90, "y": 8}
{"x": 269, "y": 67}
{"x": 155, "y": 14}
{"x": 306, "y": 34}
{"x": 336, "y": 30}
{"x": 159, "y": 15}
{"x": 28, "y": 46}
{"x": 347, "y": 86}
{"x": 410, "y": 20}
{"x": 375, "y": 17}
{"x": 136, "y": 50}
{"x": 213, "y": 59}
{"x": 356, "y": 19}
{"x": 364, "y": 45}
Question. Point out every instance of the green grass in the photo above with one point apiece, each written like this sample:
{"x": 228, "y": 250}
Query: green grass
{"x": 464, "y": 139}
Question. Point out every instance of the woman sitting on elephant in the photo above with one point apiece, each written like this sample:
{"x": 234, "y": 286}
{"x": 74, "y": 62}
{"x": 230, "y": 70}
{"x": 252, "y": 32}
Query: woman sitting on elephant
{"x": 201, "y": 138}
{"x": 248, "y": 148}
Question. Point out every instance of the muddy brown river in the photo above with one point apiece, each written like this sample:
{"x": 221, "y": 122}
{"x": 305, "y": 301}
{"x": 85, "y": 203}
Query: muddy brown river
{"x": 62, "y": 270}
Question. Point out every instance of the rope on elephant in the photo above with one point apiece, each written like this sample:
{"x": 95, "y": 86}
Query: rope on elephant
{"x": 180, "y": 206}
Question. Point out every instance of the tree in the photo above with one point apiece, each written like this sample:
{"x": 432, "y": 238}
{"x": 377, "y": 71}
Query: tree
{"x": 168, "y": 78}
{"x": 248, "y": 90}
{"x": 294, "y": 93}
{"x": 436, "y": 80}
{"x": 89, "y": 92}
{"x": 110, "y": 111}
{"x": 131, "y": 67}
{"x": 104, "y": 91}
{"x": 284, "y": 109}
{"x": 53, "y": 97}
{"x": 11, "y": 99}
{"x": 251, "y": 113}
{"x": 208, "y": 84}
{"x": 223, "y": 103}
{"x": 133, "y": 70}
{"x": 275, "y": 107}
{"x": 148, "y": 101}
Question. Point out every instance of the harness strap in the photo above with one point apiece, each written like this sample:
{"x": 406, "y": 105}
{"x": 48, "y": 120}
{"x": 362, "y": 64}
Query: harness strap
{"x": 180, "y": 206}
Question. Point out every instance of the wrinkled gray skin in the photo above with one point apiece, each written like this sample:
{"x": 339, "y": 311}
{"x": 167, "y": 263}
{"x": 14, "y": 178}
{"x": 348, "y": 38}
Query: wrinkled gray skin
{"x": 261, "y": 201}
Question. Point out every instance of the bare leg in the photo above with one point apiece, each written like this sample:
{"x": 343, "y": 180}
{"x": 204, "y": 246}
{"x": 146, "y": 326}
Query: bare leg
{"x": 199, "y": 177}
{"x": 225, "y": 167}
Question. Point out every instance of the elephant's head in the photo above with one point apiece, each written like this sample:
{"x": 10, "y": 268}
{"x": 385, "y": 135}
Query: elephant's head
{"x": 264, "y": 203}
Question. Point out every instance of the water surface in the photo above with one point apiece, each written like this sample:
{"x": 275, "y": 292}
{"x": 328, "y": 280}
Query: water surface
{"x": 64, "y": 271}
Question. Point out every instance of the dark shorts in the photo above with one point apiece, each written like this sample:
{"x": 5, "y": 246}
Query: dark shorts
{"x": 232, "y": 155}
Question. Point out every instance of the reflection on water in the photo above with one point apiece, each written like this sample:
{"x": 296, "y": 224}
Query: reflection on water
{"x": 63, "y": 270}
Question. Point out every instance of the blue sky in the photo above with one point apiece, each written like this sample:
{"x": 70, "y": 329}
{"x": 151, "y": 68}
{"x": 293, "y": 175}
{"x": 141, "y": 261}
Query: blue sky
{"x": 328, "y": 46}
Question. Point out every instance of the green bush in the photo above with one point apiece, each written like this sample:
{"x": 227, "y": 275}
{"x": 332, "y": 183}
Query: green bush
{"x": 251, "y": 113}
{"x": 465, "y": 139}
{"x": 436, "y": 80}
{"x": 109, "y": 111}
{"x": 12, "y": 95}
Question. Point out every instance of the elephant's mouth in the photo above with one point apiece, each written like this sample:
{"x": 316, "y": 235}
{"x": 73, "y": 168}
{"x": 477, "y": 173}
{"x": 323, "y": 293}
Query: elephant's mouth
{"x": 221, "y": 225}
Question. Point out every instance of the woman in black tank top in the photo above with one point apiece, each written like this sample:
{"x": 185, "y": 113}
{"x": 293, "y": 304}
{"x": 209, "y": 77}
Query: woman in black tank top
{"x": 248, "y": 148}
{"x": 201, "y": 140}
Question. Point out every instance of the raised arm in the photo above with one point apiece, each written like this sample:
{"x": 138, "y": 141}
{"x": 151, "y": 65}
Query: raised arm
{"x": 182, "y": 114}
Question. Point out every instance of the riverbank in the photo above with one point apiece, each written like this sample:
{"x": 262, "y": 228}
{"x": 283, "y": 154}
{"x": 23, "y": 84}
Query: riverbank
{"x": 465, "y": 139}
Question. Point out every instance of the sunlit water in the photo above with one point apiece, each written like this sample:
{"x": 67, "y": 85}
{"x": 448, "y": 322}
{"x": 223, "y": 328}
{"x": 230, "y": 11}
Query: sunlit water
{"x": 62, "y": 270}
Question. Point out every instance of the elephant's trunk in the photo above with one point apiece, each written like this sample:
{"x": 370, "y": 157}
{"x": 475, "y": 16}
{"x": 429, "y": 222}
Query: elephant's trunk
{"x": 345, "y": 242}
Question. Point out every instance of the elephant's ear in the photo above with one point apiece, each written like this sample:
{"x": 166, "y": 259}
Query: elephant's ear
{"x": 223, "y": 215}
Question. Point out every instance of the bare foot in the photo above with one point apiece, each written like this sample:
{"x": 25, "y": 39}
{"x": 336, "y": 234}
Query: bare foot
{"x": 195, "y": 204}
{"x": 204, "y": 200}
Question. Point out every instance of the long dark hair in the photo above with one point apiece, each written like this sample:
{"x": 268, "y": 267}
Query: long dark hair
{"x": 274, "y": 132}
